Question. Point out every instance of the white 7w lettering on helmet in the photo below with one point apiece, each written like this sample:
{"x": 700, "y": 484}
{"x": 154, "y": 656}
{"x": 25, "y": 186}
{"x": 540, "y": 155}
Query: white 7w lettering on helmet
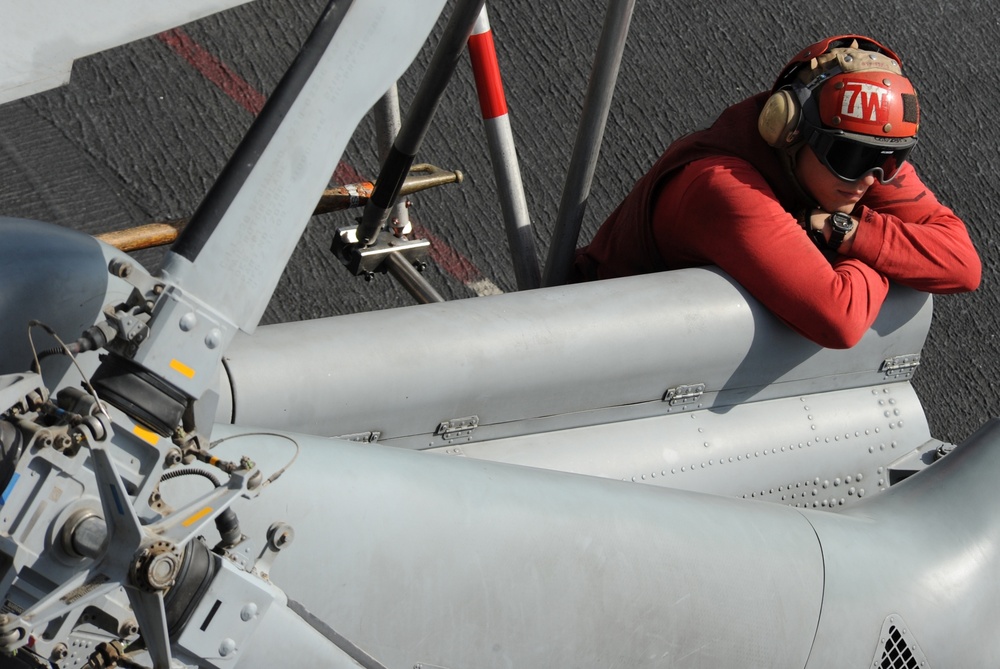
{"x": 865, "y": 102}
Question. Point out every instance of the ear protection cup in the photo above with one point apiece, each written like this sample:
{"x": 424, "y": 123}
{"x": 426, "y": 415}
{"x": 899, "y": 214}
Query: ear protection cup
{"x": 778, "y": 122}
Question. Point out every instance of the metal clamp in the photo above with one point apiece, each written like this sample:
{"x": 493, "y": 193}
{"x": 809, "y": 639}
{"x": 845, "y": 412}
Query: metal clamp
{"x": 372, "y": 259}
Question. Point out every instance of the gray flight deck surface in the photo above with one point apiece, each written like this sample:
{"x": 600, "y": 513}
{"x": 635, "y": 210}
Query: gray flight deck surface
{"x": 141, "y": 132}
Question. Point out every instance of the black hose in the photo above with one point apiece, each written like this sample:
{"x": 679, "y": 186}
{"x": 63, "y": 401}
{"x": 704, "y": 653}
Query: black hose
{"x": 191, "y": 472}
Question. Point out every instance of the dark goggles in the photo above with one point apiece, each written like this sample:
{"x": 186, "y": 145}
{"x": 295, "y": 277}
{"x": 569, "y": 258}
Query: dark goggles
{"x": 850, "y": 160}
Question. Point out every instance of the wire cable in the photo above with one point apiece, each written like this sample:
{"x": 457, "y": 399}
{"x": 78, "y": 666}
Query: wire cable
{"x": 275, "y": 475}
{"x": 37, "y": 366}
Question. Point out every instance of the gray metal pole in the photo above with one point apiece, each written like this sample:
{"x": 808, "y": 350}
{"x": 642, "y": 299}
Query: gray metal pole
{"x": 600, "y": 90}
{"x": 503, "y": 155}
{"x": 413, "y": 281}
{"x": 387, "y": 124}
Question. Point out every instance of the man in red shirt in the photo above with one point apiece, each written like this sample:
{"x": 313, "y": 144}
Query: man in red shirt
{"x": 803, "y": 195}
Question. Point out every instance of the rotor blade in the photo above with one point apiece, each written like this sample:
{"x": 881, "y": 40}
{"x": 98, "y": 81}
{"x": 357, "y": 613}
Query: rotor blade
{"x": 234, "y": 250}
{"x": 40, "y": 40}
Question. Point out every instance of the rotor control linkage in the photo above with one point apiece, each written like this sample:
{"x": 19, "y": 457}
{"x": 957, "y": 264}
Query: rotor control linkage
{"x": 336, "y": 198}
{"x": 400, "y": 157}
{"x": 145, "y": 559}
{"x": 403, "y": 258}
{"x": 367, "y": 261}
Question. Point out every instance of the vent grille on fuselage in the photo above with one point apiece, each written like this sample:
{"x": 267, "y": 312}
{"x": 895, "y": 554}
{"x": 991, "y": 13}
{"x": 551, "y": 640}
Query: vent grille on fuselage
{"x": 896, "y": 653}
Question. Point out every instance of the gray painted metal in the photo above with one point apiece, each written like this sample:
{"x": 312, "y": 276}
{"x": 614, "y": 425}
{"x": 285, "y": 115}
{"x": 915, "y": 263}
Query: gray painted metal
{"x": 196, "y": 310}
{"x": 456, "y": 563}
{"x": 245, "y": 256}
{"x": 30, "y": 63}
{"x": 60, "y": 278}
{"x": 826, "y": 450}
{"x": 568, "y": 379}
{"x": 587, "y": 352}
{"x": 253, "y": 626}
{"x": 495, "y": 565}
{"x": 926, "y": 553}
{"x": 221, "y": 278}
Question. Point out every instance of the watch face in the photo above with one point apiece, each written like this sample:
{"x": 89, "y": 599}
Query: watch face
{"x": 842, "y": 222}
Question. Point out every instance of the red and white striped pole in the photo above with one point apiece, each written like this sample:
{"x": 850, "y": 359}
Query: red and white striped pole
{"x": 503, "y": 154}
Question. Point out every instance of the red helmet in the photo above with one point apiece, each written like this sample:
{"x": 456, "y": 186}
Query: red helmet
{"x": 870, "y": 104}
{"x": 824, "y": 47}
{"x": 846, "y": 96}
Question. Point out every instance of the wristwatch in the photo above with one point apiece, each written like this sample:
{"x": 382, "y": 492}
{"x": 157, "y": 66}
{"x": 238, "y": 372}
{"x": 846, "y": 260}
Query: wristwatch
{"x": 840, "y": 225}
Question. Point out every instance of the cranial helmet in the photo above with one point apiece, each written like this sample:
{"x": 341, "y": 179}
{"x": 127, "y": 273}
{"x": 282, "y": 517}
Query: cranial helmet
{"x": 846, "y": 98}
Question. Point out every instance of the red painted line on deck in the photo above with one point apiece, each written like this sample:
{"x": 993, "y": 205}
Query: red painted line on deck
{"x": 450, "y": 260}
{"x": 213, "y": 69}
{"x": 241, "y": 92}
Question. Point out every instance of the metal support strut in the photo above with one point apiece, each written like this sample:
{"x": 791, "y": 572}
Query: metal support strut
{"x": 411, "y": 134}
{"x": 503, "y": 154}
{"x": 387, "y": 124}
{"x": 600, "y": 90}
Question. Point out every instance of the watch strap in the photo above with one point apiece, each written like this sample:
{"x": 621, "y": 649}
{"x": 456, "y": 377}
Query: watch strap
{"x": 840, "y": 225}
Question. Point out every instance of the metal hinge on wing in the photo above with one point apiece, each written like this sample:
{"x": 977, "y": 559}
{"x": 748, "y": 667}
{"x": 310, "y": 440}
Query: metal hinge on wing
{"x": 901, "y": 366}
{"x": 684, "y": 394}
{"x": 456, "y": 428}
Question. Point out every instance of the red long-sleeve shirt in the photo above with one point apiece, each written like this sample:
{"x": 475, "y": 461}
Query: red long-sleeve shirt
{"x": 722, "y": 210}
